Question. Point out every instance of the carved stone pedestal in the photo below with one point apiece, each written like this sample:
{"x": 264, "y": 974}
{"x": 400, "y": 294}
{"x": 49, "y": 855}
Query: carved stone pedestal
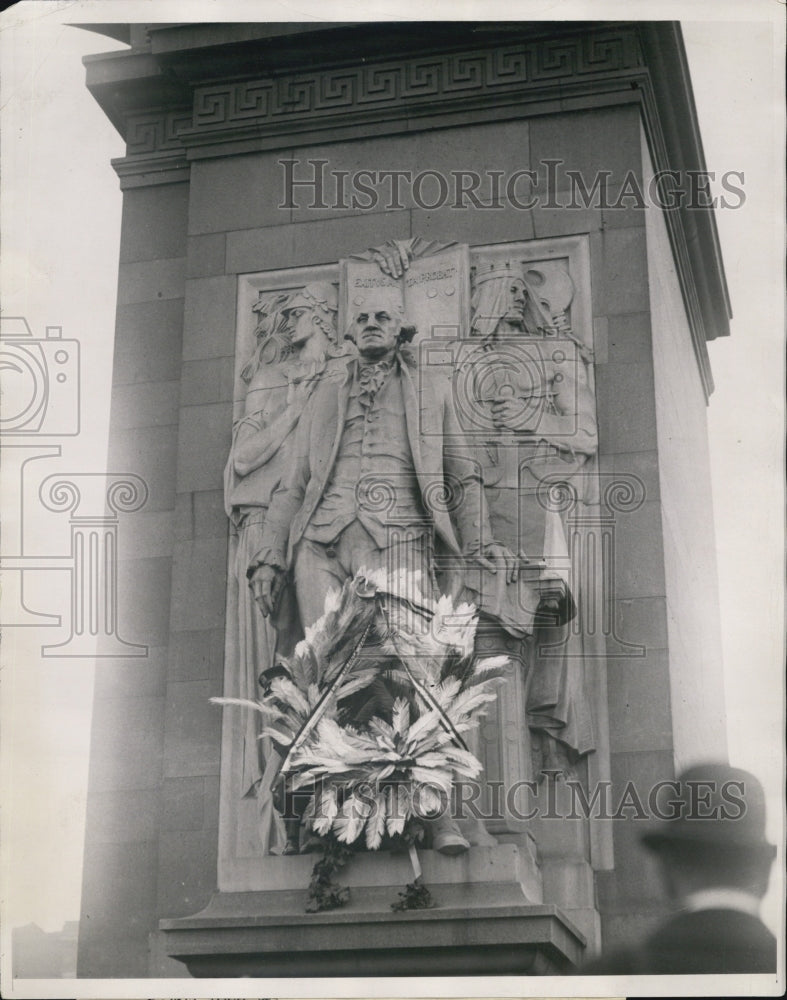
{"x": 488, "y": 920}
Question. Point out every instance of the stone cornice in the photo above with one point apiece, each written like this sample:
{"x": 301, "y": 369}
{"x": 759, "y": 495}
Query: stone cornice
{"x": 430, "y": 68}
{"x": 351, "y": 100}
{"x": 680, "y": 146}
{"x": 400, "y": 88}
{"x": 179, "y": 99}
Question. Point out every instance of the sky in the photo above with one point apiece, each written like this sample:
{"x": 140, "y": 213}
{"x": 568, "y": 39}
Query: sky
{"x": 60, "y": 221}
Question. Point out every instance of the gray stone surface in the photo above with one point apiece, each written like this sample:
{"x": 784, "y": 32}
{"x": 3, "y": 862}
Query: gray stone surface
{"x": 113, "y": 937}
{"x": 209, "y": 381}
{"x": 639, "y": 565}
{"x": 210, "y": 519}
{"x": 150, "y": 280}
{"x": 183, "y": 804}
{"x": 620, "y": 272}
{"x": 192, "y": 729}
{"x": 205, "y": 255}
{"x": 587, "y": 141}
{"x": 629, "y": 338}
{"x": 268, "y": 934}
{"x": 563, "y": 221}
{"x": 642, "y": 464}
{"x": 567, "y": 882}
{"x": 642, "y": 620}
{"x": 154, "y": 223}
{"x": 634, "y": 685}
{"x": 203, "y": 445}
{"x": 148, "y": 339}
{"x": 625, "y": 211}
{"x": 146, "y": 535}
{"x": 320, "y": 242}
{"x": 145, "y": 404}
{"x": 127, "y": 744}
{"x": 198, "y": 598}
{"x": 472, "y": 226}
{"x": 201, "y": 515}
{"x": 196, "y": 655}
{"x": 137, "y": 677}
{"x": 143, "y": 592}
{"x": 626, "y": 408}
{"x": 187, "y": 862}
{"x": 128, "y": 815}
{"x": 236, "y": 192}
{"x": 687, "y": 505}
{"x": 630, "y": 928}
{"x": 637, "y": 884}
{"x": 151, "y": 453}
{"x": 209, "y": 318}
{"x": 444, "y": 151}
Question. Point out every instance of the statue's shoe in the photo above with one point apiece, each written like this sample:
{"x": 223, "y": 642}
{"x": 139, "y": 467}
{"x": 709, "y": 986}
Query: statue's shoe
{"x": 447, "y": 839}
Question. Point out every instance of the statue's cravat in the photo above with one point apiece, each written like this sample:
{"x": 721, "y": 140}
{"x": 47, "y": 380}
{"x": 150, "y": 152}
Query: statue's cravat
{"x": 370, "y": 380}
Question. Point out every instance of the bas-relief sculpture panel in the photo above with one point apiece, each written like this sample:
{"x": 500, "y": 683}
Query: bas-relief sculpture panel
{"x": 510, "y": 326}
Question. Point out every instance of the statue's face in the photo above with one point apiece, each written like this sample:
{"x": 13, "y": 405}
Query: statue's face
{"x": 300, "y": 325}
{"x": 517, "y": 300}
{"x": 376, "y": 326}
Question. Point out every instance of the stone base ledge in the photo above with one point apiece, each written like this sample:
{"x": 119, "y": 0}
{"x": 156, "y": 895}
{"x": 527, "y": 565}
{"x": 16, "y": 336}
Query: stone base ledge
{"x": 475, "y": 929}
{"x": 515, "y": 862}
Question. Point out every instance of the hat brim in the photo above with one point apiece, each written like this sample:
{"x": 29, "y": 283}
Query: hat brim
{"x": 656, "y": 840}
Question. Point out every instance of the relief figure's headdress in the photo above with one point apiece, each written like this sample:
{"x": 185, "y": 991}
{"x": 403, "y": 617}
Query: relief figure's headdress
{"x": 491, "y": 294}
{"x": 321, "y": 298}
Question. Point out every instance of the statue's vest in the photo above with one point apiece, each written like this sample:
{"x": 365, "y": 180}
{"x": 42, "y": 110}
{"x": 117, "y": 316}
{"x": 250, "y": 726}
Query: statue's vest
{"x": 373, "y": 479}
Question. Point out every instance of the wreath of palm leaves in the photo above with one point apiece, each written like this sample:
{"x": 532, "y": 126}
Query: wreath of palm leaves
{"x": 372, "y": 708}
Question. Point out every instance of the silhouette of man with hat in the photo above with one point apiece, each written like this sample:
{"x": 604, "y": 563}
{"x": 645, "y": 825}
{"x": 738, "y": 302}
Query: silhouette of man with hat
{"x": 715, "y": 864}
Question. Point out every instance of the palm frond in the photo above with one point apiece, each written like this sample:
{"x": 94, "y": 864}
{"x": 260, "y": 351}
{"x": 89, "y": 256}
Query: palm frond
{"x": 255, "y": 706}
{"x": 375, "y": 824}
{"x": 379, "y": 693}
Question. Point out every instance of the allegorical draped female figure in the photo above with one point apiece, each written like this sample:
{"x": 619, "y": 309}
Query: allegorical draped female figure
{"x": 296, "y": 340}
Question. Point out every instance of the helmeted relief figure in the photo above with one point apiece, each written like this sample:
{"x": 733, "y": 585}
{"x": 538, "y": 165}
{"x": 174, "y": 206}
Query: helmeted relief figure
{"x": 296, "y": 341}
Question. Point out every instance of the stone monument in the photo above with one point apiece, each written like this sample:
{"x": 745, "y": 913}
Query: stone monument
{"x": 529, "y": 457}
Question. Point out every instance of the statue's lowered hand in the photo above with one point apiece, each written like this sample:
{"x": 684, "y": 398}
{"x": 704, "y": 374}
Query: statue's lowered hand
{"x": 509, "y": 413}
{"x": 497, "y": 557}
{"x": 266, "y": 583}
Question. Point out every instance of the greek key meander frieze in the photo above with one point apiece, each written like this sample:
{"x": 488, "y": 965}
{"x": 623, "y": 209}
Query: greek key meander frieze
{"x": 445, "y": 77}
{"x": 423, "y": 79}
{"x": 156, "y": 132}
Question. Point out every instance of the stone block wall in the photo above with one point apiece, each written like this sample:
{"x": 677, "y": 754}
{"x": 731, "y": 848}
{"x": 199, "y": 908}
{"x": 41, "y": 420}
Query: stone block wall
{"x": 127, "y": 812}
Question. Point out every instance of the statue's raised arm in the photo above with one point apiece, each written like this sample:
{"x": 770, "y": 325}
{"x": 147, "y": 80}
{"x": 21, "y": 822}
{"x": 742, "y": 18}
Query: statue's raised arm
{"x": 393, "y": 257}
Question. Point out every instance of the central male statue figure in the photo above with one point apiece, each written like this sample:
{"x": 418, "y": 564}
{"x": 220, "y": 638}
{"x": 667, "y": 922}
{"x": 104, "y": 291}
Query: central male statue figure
{"x": 381, "y": 475}
{"x": 379, "y": 462}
